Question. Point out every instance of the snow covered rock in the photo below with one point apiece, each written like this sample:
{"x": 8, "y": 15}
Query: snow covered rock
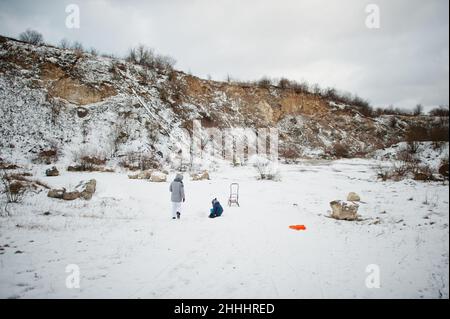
{"x": 343, "y": 210}
{"x": 87, "y": 189}
{"x": 353, "y": 197}
{"x": 83, "y": 190}
{"x": 158, "y": 177}
{"x": 71, "y": 195}
{"x": 52, "y": 171}
{"x": 56, "y": 193}
{"x": 141, "y": 175}
{"x": 200, "y": 176}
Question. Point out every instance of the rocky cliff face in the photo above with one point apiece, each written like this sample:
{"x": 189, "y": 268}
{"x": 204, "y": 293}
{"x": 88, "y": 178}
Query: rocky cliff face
{"x": 72, "y": 102}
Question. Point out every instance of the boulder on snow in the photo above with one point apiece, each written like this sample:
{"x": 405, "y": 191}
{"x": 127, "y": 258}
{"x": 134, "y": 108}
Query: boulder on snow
{"x": 87, "y": 189}
{"x": 56, "y": 193}
{"x": 52, "y": 171}
{"x": 343, "y": 210}
{"x": 141, "y": 175}
{"x": 158, "y": 177}
{"x": 353, "y": 197}
{"x": 84, "y": 190}
{"x": 71, "y": 195}
{"x": 200, "y": 176}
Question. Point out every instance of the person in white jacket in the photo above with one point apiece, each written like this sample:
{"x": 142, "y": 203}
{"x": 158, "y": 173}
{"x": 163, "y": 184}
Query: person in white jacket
{"x": 177, "y": 195}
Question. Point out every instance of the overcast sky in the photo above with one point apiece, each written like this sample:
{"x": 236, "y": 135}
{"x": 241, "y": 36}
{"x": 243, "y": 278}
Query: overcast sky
{"x": 404, "y": 62}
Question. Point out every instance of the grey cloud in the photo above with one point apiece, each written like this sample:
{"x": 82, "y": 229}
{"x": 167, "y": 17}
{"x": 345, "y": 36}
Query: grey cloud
{"x": 404, "y": 62}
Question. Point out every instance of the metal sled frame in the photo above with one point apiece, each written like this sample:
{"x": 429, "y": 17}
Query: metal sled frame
{"x": 234, "y": 194}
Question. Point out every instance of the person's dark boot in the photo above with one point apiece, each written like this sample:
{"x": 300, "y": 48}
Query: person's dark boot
{"x": 178, "y": 215}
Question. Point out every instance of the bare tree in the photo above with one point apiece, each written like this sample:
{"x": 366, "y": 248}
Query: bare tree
{"x": 77, "y": 47}
{"x": 264, "y": 82}
{"x": 418, "y": 110}
{"x": 441, "y": 111}
{"x": 146, "y": 57}
{"x": 316, "y": 89}
{"x": 14, "y": 190}
{"x": 165, "y": 62}
{"x": 141, "y": 55}
{"x": 93, "y": 51}
{"x": 284, "y": 83}
{"x": 32, "y": 37}
{"x": 64, "y": 44}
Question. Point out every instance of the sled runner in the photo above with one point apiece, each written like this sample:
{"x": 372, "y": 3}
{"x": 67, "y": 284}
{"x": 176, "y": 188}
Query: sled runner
{"x": 234, "y": 194}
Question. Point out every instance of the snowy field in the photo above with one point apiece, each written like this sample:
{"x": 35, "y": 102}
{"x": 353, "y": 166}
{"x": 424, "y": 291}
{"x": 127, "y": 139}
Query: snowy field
{"x": 127, "y": 246}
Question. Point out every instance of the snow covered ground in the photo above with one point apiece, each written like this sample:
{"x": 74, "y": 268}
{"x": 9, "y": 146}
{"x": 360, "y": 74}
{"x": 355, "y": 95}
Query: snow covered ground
{"x": 126, "y": 245}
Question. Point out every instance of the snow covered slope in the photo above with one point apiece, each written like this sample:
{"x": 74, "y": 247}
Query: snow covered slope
{"x": 72, "y": 102}
{"x": 126, "y": 244}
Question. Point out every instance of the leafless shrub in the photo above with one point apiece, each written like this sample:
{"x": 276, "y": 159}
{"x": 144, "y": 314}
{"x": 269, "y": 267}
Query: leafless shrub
{"x": 383, "y": 173}
{"x": 5, "y": 165}
{"x": 418, "y": 110}
{"x": 300, "y": 88}
{"x": 407, "y": 167}
{"x": 444, "y": 169}
{"x": 396, "y": 172}
{"x": 30, "y": 183}
{"x": 146, "y": 57}
{"x": 47, "y": 156}
{"x": 164, "y": 95}
{"x": 441, "y": 111}
{"x": 116, "y": 67}
{"x": 88, "y": 160}
{"x": 405, "y": 155}
{"x": 423, "y": 173}
{"x": 391, "y": 110}
{"x": 78, "y": 48}
{"x": 289, "y": 154}
{"x": 264, "y": 82}
{"x": 266, "y": 169}
{"x": 141, "y": 55}
{"x": 64, "y": 44}
{"x": 172, "y": 76}
{"x": 392, "y": 122}
{"x": 139, "y": 161}
{"x": 164, "y": 62}
{"x": 284, "y": 83}
{"x": 340, "y": 150}
{"x": 415, "y": 135}
{"x": 32, "y": 37}
{"x": 93, "y": 51}
{"x": 13, "y": 189}
{"x": 400, "y": 170}
{"x": 316, "y": 89}
{"x": 439, "y": 133}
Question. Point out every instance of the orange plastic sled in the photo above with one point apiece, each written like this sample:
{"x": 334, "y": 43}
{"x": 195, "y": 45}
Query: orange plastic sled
{"x": 297, "y": 227}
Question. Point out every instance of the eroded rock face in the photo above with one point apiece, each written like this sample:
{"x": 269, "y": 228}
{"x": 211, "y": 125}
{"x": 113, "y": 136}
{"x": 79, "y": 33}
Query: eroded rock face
{"x": 344, "y": 210}
{"x": 76, "y": 92}
{"x": 308, "y": 123}
{"x": 353, "y": 197}
{"x": 200, "y": 176}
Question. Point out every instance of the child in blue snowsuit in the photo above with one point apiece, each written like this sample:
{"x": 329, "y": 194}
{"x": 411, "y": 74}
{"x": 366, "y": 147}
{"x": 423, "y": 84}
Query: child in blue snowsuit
{"x": 216, "y": 210}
